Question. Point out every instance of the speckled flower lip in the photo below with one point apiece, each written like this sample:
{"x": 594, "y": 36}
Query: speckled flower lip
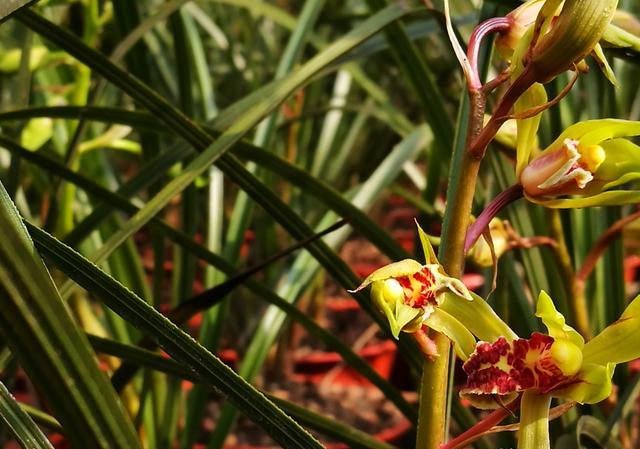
{"x": 504, "y": 367}
{"x": 420, "y": 288}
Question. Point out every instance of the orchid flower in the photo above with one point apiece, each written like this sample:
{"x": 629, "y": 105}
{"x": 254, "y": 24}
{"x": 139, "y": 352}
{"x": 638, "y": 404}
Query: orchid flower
{"x": 411, "y": 295}
{"x": 557, "y": 364}
{"x": 588, "y": 160}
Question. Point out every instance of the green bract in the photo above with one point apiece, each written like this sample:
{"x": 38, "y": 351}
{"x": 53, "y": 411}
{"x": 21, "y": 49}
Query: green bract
{"x": 574, "y": 35}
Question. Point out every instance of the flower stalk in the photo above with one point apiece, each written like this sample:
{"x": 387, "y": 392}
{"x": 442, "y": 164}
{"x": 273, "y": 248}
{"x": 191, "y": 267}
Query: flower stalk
{"x": 534, "y": 421}
{"x": 476, "y": 229}
{"x": 435, "y": 375}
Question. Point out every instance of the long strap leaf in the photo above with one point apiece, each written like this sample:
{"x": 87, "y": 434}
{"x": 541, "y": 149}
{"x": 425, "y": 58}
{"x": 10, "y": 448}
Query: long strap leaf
{"x": 176, "y": 342}
{"x": 64, "y": 367}
{"x": 327, "y": 426}
{"x": 282, "y": 213}
{"x": 8, "y": 7}
{"x": 22, "y": 427}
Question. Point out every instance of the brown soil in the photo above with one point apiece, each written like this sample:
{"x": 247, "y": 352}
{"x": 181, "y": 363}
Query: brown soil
{"x": 363, "y": 408}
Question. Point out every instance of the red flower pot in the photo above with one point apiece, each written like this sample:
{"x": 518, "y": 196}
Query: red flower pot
{"x": 316, "y": 366}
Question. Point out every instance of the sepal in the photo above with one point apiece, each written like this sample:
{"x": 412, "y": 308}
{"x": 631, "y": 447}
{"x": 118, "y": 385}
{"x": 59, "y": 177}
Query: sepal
{"x": 463, "y": 341}
{"x": 592, "y": 385}
{"x": 618, "y": 342}
{"x": 555, "y": 322}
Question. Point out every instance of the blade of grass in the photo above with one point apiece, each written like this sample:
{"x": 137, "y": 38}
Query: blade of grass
{"x": 22, "y": 427}
{"x": 276, "y": 208}
{"x": 114, "y": 199}
{"x": 327, "y": 426}
{"x": 63, "y": 367}
{"x": 9, "y": 7}
{"x": 243, "y": 208}
{"x": 304, "y": 268}
{"x": 176, "y": 342}
{"x": 196, "y": 135}
{"x": 361, "y": 221}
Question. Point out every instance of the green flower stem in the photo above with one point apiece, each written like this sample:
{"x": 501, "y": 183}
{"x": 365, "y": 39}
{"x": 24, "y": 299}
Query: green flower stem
{"x": 464, "y": 172}
{"x": 534, "y": 421}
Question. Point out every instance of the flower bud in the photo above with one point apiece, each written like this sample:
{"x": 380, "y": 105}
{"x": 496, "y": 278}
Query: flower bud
{"x": 576, "y": 32}
{"x": 480, "y": 252}
{"x": 521, "y": 19}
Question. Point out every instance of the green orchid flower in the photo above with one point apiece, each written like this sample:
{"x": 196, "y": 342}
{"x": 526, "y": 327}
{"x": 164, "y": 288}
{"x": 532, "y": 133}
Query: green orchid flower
{"x": 587, "y": 160}
{"x": 411, "y": 295}
{"x": 557, "y": 364}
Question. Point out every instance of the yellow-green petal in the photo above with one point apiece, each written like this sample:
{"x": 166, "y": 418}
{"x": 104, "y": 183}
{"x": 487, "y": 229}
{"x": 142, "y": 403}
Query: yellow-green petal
{"x": 610, "y": 198}
{"x": 478, "y": 317}
{"x": 609, "y": 129}
{"x": 618, "y": 342}
{"x": 593, "y": 386}
{"x": 555, "y": 322}
{"x": 527, "y": 140}
{"x": 599, "y": 56}
{"x": 463, "y": 342}
{"x": 393, "y": 270}
{"x": 429, "y": 253}
{"x": 405, "y": 318}
{"x": 621, "y": 163}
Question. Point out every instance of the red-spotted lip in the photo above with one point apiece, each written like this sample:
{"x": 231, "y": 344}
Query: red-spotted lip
{"x": 507, "y": 367}
{"x": 419, "y": 288}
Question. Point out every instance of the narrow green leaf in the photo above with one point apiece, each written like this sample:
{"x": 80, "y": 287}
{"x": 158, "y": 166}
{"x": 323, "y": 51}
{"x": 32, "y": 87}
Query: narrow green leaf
{"x": 63, "y": 367}
{"x": 22, "y": 427}
{"x": 327, "y": 426}
{"x": 8, "y": 7}
{"x": 197, "y": 249}
{"x": 176, "y": 342}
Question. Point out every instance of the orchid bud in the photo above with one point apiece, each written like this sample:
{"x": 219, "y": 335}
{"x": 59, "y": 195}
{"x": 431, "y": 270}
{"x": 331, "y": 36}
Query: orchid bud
{"x": 574, "y": 35}
{"x": 481, "y": 253}
{"x": 521, "y": 19}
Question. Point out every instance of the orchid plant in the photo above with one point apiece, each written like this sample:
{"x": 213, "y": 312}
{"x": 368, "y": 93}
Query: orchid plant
{"x": 591, "y": 163}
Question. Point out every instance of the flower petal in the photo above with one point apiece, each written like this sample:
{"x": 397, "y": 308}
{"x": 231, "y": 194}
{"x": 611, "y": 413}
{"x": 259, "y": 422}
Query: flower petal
{"x": 478, "y": 317}
{"x": 593, "y": 384}
{"x": 405, "y": 267}
{"x": 555, "y": 322}
{"x": 429, "y": 253}
{"x": 609, "y": 129}
{"x": 527, "y": 139}
{"x": 618, "y": 342}
{"x": 621, "y": 163}
{"x": 504, "y": 367}
{"x": 463, "y": 341}
{"x": 610, "y": 198}
{"x": 405, "y": 318}
{"x": 598, "y": 55}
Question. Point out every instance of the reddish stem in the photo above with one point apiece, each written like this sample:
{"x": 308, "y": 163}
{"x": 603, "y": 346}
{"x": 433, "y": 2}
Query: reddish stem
{"x": 493, "y": 419}
{"x": 501, "y": 114}
{"x": 506, "y": 197}
{"x": 603, "y": 242}
{"x": 480, "y": 32}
